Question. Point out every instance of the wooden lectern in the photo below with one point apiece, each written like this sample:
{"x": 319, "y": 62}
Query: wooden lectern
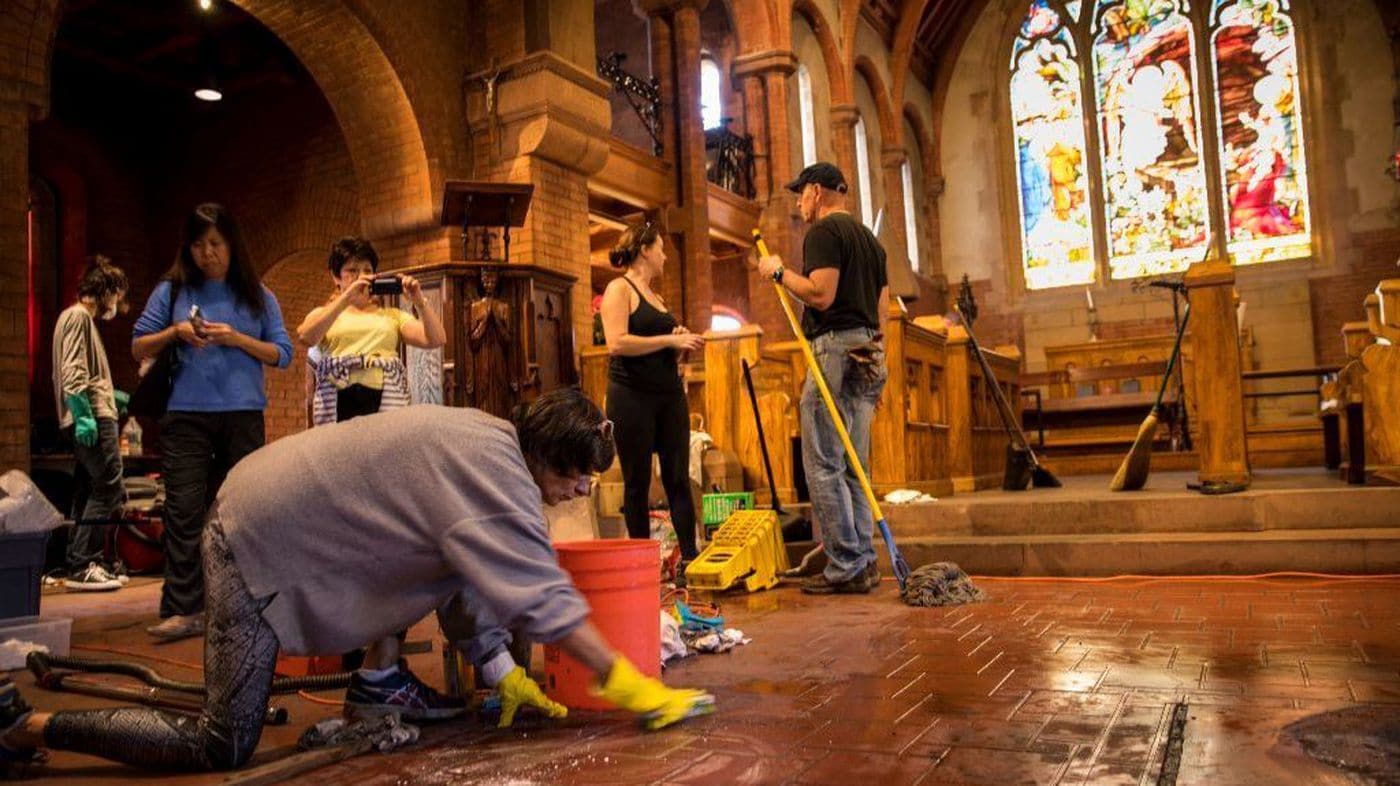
{"x": 509, "y": 329}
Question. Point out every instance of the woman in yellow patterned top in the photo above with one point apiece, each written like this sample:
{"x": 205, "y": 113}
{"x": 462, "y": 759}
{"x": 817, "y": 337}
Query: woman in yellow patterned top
{"x": 359, "y": 371}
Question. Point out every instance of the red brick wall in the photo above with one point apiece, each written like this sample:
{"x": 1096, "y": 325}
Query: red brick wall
{"x": 1338, "y": 299}
{"x": 301, "y": 283}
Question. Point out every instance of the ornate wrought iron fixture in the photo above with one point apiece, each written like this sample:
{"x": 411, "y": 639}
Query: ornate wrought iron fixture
{"x": 729, "y": 160}
{"x": 643, "y": 94}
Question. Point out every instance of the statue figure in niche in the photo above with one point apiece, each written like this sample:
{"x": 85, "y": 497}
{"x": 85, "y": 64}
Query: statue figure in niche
{"x": 490, "y": 340}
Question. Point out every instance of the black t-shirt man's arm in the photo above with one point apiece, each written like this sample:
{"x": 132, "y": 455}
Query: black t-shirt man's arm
{"x": 821, "y": 264}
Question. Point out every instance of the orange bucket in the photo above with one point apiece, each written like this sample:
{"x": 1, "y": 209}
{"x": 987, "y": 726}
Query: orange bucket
{"x": 621, "y": 579}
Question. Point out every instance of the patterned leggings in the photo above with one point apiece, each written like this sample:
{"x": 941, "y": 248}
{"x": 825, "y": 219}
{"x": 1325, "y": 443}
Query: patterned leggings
{"x": 240, "y": 652}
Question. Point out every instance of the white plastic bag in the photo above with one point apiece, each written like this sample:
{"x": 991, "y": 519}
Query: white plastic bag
{"x": 23, "y": 508}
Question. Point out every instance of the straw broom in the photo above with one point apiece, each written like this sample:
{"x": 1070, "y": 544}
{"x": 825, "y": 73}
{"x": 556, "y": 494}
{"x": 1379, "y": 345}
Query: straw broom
{"x": 1132, "y": 473}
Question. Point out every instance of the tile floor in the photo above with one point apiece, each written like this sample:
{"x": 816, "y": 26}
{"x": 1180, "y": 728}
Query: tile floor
{"x": 1047, "y": 682}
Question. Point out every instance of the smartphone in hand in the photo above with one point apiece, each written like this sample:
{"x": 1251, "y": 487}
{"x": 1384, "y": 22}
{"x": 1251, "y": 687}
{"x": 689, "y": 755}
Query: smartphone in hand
{"x": 197, "y": 321}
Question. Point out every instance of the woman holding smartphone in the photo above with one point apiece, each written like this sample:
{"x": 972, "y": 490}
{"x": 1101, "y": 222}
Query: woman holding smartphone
{"x": 226, "y": 327}
{"x": 359, "y": 371}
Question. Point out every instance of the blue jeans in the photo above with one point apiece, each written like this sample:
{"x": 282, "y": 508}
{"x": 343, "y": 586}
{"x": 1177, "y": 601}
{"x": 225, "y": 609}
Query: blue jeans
{"x": 847, "y": 523}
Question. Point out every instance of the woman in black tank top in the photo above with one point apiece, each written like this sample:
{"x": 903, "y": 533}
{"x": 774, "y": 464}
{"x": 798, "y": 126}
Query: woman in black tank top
{"x": 646, "y": 399}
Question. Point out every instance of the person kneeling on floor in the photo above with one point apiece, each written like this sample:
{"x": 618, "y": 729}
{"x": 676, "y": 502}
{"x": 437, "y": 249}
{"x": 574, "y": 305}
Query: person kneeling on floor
{"x": 341, "y": 535}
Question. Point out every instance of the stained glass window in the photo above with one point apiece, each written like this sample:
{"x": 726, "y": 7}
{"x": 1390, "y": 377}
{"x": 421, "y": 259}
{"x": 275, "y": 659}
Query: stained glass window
{"x": 1151, "y": 208}
{"x": 1051, "y": 160}
{"x": 911, "y": 223}
{"x": 1154, "y": 181}
{"x": 1260, "y": 129}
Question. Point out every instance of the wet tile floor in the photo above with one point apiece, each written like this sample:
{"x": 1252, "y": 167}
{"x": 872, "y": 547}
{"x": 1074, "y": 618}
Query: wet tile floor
{"x": 1047, "y": 682}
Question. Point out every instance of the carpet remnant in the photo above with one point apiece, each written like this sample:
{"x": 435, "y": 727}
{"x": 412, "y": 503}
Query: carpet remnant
{"x": 1364, "y": 740}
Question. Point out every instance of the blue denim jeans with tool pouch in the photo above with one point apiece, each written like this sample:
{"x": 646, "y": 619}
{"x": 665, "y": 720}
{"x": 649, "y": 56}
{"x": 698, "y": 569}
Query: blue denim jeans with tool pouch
{"x": 847, "y": 523}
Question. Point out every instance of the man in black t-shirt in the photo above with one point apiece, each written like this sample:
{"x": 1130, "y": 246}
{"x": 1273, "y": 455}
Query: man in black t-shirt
{"x": 844, "y": 287}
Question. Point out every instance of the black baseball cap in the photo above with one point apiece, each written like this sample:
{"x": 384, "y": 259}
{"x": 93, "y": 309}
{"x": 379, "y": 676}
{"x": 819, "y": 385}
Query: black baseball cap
{"x": 823, "y": 174}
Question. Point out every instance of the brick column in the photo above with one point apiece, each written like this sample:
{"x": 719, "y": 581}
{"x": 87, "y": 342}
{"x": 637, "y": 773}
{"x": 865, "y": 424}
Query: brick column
{"x": 689, "y": 222}
{"x": 843, "y": 141}
{"x": 765, "y": 81}
{"x": 14, "y": 286}
{"x": 550, "y": 126}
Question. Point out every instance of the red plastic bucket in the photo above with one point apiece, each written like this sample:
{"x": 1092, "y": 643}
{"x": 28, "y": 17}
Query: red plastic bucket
{"x": 621, "y": 579}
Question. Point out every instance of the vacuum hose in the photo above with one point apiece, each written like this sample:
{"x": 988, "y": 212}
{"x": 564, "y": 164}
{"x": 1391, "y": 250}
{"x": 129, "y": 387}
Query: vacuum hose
{"x": 42, "y": 665}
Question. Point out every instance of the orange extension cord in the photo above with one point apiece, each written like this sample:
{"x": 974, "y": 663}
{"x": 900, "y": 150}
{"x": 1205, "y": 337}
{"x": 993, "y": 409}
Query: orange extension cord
{"x": 1145, "y": 578}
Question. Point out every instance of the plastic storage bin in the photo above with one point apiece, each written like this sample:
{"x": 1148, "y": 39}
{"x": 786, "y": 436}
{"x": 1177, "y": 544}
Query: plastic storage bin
{"x": 21, "y": 574}
{"x": 52, "y": 633}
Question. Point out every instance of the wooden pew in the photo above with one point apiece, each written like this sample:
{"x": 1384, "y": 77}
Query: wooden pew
{"x": 1379, "y": 372}
{"x": 1106, "y": 418}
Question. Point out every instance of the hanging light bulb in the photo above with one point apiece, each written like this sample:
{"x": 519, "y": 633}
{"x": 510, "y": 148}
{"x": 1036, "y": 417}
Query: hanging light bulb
{"x": 206, "y": 5}
{"x": 209, "y": 91}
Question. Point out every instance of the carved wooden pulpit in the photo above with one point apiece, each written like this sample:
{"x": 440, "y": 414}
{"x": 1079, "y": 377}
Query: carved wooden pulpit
{"x": 509, "y": 329}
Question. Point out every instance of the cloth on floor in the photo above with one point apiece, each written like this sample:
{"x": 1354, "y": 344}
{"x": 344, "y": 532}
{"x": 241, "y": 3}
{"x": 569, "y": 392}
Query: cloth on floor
{"x": 383, "y": 733}
{"x": 672, "y": 645}
{"x": 722, "y": 641}
{"x": 14, "y": 651}
{"x": 904, "y": 496}
{"x": 940, "y": 584}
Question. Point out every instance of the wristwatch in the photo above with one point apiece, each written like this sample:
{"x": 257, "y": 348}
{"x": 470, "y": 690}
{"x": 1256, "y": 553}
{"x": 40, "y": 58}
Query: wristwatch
{"x": 778, "y": 275}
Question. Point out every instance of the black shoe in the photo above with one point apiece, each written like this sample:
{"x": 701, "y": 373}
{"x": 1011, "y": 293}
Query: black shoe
{"x": 402, "y": 693}
{"x": 819, "y": 585}
{"x": 871, "y": 576}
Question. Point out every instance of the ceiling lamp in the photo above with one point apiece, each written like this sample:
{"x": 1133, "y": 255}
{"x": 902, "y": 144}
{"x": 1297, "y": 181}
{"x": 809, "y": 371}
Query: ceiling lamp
{"x": 209, "y": 91}
{"x": 206, "y": 5}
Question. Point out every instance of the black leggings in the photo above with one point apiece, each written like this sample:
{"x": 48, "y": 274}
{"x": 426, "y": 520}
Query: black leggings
{"x": 644, "y": 423}
{"x": 240, "y": 653}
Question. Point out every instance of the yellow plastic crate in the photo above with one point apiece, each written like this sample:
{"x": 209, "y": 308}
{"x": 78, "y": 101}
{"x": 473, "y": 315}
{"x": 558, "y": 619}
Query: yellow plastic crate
{"x": 748, "y": 547}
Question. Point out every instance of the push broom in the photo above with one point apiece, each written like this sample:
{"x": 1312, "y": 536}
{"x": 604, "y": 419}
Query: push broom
{"x": 901, "y": 568}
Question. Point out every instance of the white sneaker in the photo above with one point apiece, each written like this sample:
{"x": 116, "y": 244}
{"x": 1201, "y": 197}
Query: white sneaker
{"x": 92, "y": 579}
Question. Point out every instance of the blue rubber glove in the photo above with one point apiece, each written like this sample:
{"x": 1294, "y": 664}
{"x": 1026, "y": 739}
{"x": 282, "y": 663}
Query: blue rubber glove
{"x": 84, "y": 424}
{"x": 123, "y": 399}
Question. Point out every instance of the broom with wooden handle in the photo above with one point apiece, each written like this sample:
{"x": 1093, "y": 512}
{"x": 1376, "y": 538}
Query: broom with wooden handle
{"x": 897, "y": 563}
{"x": 1132, "y": 473}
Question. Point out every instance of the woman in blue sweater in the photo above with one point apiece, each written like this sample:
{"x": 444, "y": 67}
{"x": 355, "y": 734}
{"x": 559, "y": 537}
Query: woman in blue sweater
{"x": 226, "y": 326}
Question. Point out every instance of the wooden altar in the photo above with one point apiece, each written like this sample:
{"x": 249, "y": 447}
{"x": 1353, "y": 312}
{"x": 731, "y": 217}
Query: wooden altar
{"x": 509, "y": 335}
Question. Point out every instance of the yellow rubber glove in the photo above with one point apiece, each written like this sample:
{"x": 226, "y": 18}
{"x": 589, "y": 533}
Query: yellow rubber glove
{"x": 658, "y": 705}
{"x": 518, "y": 690}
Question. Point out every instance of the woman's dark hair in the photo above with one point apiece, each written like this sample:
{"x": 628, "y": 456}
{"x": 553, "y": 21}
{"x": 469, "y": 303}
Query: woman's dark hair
{"x": 564, "y": 431}
{"x": 242, "y": 274}
{"x": 352, "y": 247}
{"x": 101, "y": 278}
{"x": 634, "y": 238}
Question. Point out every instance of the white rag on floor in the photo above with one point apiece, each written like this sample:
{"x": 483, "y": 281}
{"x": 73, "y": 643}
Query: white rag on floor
{"x": 903, "y": 496}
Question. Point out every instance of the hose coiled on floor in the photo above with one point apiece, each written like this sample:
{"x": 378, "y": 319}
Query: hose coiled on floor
{"x": 41, "y": 664}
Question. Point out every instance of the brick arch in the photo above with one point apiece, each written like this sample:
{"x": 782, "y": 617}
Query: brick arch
{"x": 369, "y": 103}
{"x": 300, "y": 282}
{"x": 837, "y": 84}
{"x": 923, "y": 146}
{"x": 890, "y": 131}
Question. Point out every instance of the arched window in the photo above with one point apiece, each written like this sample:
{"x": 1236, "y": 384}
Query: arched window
{"x": 1151, "y": 204}
{"x": 710, "y": 106}
{"x": 911, "y": 217}
{"x": 1260, "y": 128}
{"x": 807, "y": 113}
{"x": 867, "y": 209}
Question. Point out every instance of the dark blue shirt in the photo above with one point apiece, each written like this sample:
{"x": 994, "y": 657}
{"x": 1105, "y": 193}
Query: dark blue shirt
{"x": 217, "y": 378}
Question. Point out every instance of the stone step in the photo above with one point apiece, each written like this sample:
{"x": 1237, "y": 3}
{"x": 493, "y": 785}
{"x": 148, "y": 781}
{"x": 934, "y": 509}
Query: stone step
{"x": 1341, "y": 550}
{"x": 1077, "y": 512}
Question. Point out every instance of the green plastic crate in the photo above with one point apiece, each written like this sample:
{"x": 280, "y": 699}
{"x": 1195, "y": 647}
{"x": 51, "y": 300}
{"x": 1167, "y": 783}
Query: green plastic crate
{"x": 715, "y": 508}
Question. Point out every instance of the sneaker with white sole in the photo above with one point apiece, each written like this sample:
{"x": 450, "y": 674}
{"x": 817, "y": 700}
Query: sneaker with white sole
{"x": 400, "y": 692}
{"x": 93, "y": 578}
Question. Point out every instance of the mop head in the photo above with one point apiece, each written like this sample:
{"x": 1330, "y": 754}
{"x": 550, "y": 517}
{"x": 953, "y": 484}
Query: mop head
{"x": 940, "y": 584}
{"x": 383, "y": 733}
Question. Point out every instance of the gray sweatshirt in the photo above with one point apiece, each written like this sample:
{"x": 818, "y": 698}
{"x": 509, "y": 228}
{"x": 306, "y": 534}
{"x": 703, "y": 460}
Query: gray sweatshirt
{"x": 357, "y": 530}
{"x": 80, "y": 365}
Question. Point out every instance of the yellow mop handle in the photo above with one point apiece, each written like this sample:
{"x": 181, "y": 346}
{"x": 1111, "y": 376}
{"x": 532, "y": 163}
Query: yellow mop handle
{"x": 820, "y": 379}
